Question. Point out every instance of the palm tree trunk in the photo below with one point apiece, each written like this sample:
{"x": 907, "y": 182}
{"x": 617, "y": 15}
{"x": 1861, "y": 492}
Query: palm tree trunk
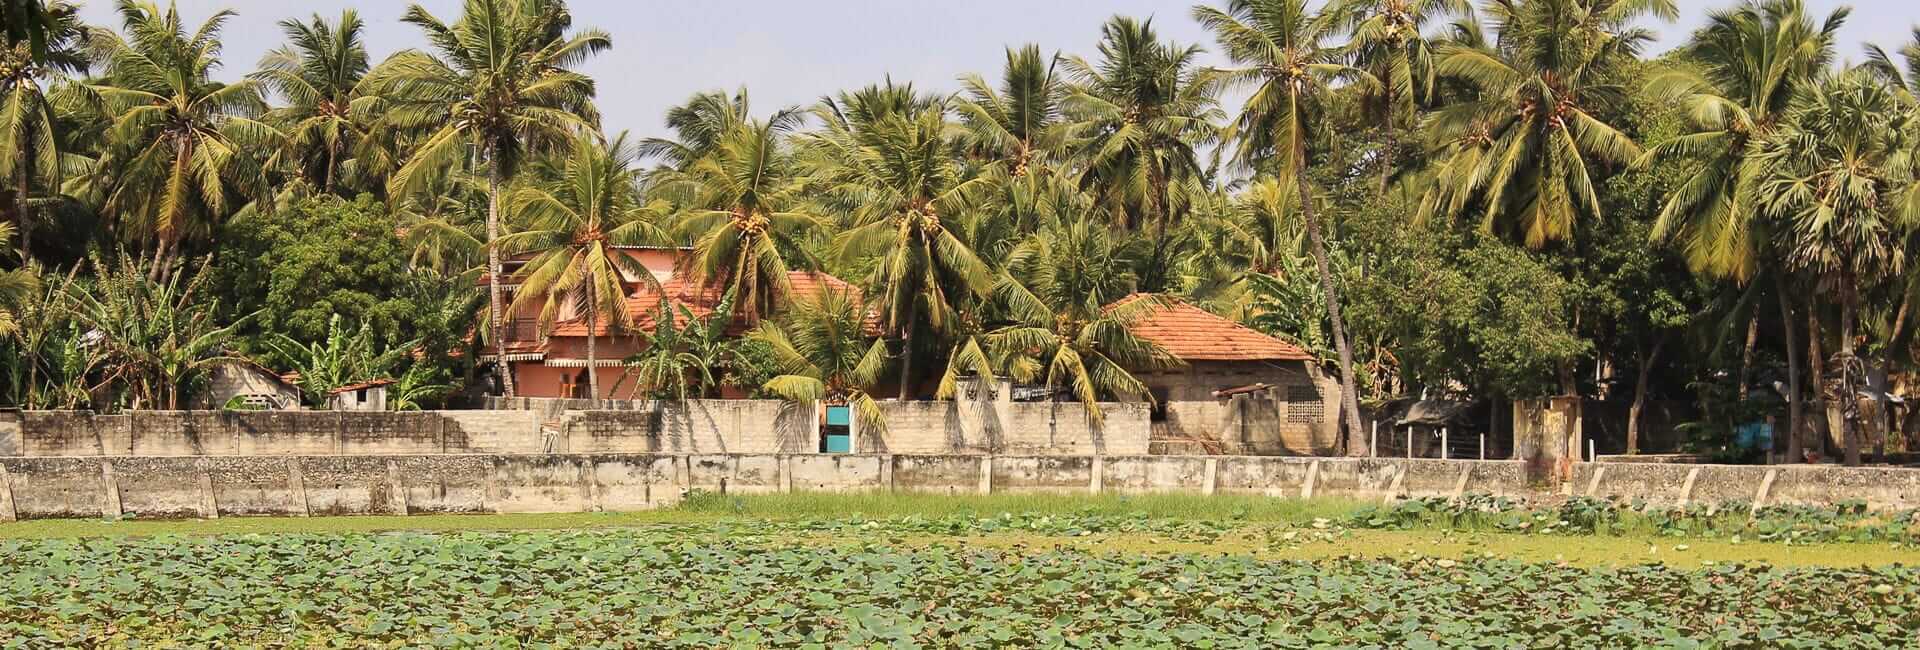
{"x": 906, "y": 350}
{"x": 593, "y": 365}
{"x": 1640, "y": 395}
{"x": 1387, "y": 151}
{"x": 493, "y": 275}
{"x": 1849, "y": 396}
{"x": 333, "y": 159}
{"x": 1793, "y": 369}
{"x": 21, "y": 220}
{"x": 1356, "y": 437}
{"x": 1746, "y": 353}
{"x": 1817, "y": 367}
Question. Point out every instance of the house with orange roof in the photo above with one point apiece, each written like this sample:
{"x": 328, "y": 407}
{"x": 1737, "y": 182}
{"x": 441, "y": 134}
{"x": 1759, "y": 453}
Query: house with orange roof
{"x": 1240, "y": 391}
{"x": 553, "y": 363}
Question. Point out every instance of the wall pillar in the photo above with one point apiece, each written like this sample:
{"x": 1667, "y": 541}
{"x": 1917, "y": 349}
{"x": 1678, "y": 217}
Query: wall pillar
{"x": 1099, "y": 474}
{"x": 297, "y": 487}
{"x": 1313, "y": 477}
{"x": 1209, "y": 474}
{"x": 110, "y": 506}
{"x": 7, "y": 511}
{"x": 396, "y": 490}
{"x": 209, "y": 501}
{"x": 986, "y": 475}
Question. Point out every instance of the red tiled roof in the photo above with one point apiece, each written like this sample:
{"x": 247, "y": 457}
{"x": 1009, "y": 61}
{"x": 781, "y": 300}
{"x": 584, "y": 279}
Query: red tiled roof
{"x": 1195, "y": 334}
{"x": 360, "y": 385}
{"x": 699, "y": 300}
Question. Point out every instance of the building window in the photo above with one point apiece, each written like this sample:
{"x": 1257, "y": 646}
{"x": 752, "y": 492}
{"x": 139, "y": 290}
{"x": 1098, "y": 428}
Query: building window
{"x": 1160, "y": 396}
{"x": 1304, "y": 405}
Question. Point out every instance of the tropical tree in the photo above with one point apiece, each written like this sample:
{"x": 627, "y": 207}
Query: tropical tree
{"x": 744, "y": 213}
{"x": 823, "y": 354}
{"x": 320, "y": 73}
{"x": 1520, "y": 149}
{"x": 887, "y": 165}
{"x": 1388, "y": 39}
{"x": 1905, "y": 74}
{"x": 1067, "y": 292}
{"x": 1140, "y": 116}
{"x": 1747, "y": 63}
{"x": 575, "y": 227}
{"x": 27, "y": 115}
{"x": 153, "y": 341}
{"x": 346, "y": 355}
{"x": 1283, "y": 52}
{"x": 682, "y": 350}
{"x": 182, "y": 147}
{"x": 500, "y": 87}
{"x": 1838, "y": 173}
{"x": 698, "y": 125}
{"x": 1021, "y": 119}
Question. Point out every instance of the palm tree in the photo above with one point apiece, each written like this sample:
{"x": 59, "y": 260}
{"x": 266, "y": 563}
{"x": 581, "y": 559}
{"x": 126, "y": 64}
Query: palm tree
{"x": 1838, "y": 175}
{"x": 744, "y": 212}
{"x": 1751, "y": 61}
{"x": 499, "y": 88}
{"x": 823, "y": 354}
{"x": 574, "y": 229}
{"x": 889, "y": 166}
{"x": 1282, "y": 49}
{"x": 180, "y": 144}
{"x": 27, "y": 115}
{"x": 329, "y": 112}
{"x": 1520, "y": 150}
{"x": 698, "y": 126}
{"x": 1140, "y": 117}
{"x": 1057, "y": 289}
{"x": 1021, "y": 119}
{"x": 1905, "y": 75}
{"x": 1388, "y": 40}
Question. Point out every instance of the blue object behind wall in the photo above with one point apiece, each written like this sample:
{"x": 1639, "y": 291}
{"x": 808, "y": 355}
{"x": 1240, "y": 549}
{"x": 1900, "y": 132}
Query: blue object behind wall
{"x": 837, "y": 436}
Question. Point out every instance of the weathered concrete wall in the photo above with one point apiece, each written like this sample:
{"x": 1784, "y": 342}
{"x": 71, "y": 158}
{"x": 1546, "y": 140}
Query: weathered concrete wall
{"x": 10, "y": 433}
{"x": 211, "y": 486}
{"x": 257, "y": 433}
{"x": 1001, "y": 426}
{"x": 1297, "y": 416}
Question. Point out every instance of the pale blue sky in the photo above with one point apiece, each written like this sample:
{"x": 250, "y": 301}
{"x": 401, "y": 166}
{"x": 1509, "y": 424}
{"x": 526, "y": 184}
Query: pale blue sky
{"x": 791, "y": 53}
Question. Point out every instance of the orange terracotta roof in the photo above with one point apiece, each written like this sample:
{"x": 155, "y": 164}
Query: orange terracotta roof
{"x": 700, "y": 301}
{"x": 360, "y": 385}
{"x": 1195, "y": 334}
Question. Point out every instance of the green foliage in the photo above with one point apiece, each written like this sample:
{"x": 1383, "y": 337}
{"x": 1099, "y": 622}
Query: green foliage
{"x": 346, "y": 355}
{"x": 323, "y": 258}
{"x": 1467, "y": 308}
{"x": 1847, "y": 522}
{"x": 690, "y": 586}
{"x": 683, "y": 351}
{"x": 154, "y": 342}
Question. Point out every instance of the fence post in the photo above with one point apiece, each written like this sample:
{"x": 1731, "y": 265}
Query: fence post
{"x": 7, "y": 512}
{"x": 1409, "y": 442}
{"x": 1445, "y": 453}
{"x": 1483, "y": 446}
{"x": 1373, "y": 444}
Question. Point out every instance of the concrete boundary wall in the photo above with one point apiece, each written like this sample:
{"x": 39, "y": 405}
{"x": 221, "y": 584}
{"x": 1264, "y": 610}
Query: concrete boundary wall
{"x": 216, "y": 486}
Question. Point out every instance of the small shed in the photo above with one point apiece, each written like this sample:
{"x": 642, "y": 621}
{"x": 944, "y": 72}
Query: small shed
{"x": 250, "y": 385}
{"x": 362, "y": 396}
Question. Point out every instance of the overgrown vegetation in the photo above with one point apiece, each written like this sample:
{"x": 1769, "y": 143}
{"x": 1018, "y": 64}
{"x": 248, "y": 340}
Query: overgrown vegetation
{"x": 852, "y": 583}
{"x": 1504, "y": 203}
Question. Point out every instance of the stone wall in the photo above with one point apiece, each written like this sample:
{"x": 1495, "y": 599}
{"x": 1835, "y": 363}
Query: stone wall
{"x": 1297, "y": 415}
{"x": 991, "y": 423}
{"x": 214, "y": 486}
